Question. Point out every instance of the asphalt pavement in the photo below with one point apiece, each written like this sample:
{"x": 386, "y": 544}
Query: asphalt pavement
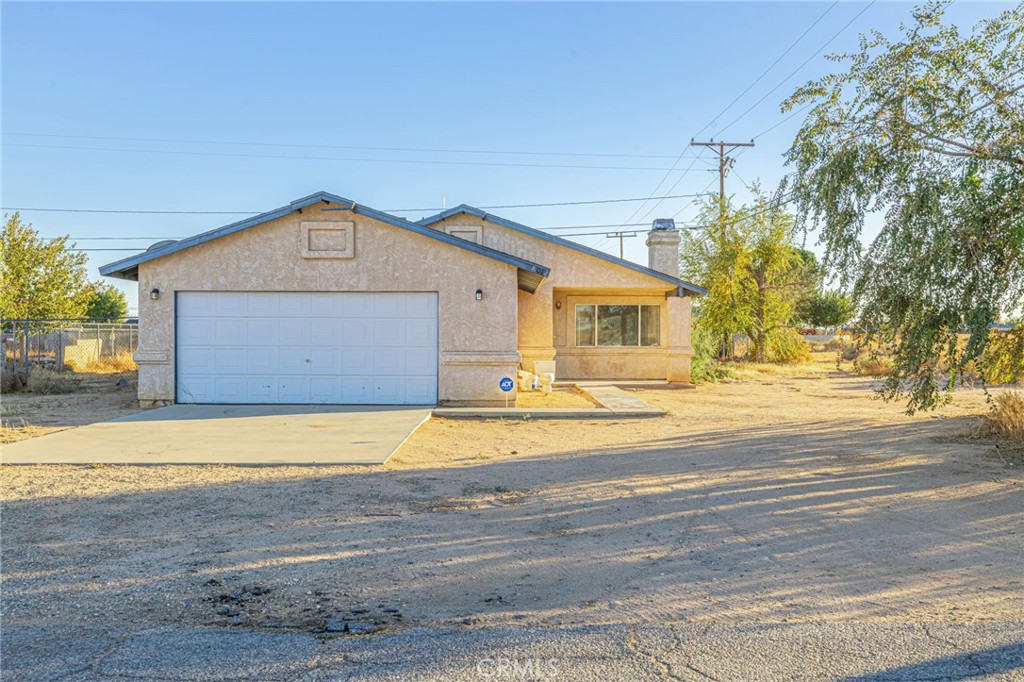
{"x": 848, "y": 652}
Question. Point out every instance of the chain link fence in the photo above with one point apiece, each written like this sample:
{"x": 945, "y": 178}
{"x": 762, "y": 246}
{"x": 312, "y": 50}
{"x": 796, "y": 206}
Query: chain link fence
{"x": 69, "y": 353}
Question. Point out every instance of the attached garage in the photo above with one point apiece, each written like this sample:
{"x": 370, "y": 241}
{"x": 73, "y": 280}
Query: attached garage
{"x": 307, "y": 347}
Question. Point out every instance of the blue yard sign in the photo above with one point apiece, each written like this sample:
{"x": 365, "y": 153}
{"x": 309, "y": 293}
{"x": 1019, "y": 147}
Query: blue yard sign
{"x": 505, "y": 384}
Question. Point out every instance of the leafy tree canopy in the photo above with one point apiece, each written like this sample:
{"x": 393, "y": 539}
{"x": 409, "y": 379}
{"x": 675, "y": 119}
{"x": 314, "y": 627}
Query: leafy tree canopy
{"x": 39, "y": 278}
{"x": 826, "y": 309}
{"x": 105, "y": 302}
{"x": 754, "y": 272}
{"x": 926, "y": 133}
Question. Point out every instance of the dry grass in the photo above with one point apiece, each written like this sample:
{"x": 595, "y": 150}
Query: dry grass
{"x": 47, "y": 381}
{"x": 1006, "y": 418}
{"x": 872, "y": 366}
{"x": 122, "y": 362}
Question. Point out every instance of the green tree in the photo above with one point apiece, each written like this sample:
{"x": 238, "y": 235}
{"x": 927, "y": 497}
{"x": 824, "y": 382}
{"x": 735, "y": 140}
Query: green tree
{"x": 105, "y": 302}
{"x": 826, "y": 309}
{"x": 39, "y": 278}
{"x": 926, "y": 134}
{"x": 748, "y": 261}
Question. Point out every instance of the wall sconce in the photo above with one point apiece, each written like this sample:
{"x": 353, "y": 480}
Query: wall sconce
{"x": 154, "y": 295}
{"x": 558, "y": 305}
{"x": 479, "y": 294}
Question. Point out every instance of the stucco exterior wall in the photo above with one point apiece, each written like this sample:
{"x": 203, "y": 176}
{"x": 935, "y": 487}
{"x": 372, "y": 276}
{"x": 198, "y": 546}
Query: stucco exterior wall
{"x": 477, "y": 339}
{"x": 546, "y": 329}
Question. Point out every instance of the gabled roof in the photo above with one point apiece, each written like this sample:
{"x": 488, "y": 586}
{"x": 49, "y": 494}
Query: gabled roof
{"x": 530, "y": 274}
{"x": 504, "y": 222}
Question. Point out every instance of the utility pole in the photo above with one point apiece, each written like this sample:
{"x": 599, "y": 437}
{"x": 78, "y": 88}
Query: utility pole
{"x": 621, "y": 237}
{"x": 724, "y": 162}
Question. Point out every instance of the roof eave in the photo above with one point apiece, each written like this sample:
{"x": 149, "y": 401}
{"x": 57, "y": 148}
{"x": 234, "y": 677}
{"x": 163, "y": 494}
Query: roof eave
{"x": 682, "y": 285}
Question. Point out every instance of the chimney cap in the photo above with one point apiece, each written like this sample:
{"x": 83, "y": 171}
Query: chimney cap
{"x": 664, "y": 224}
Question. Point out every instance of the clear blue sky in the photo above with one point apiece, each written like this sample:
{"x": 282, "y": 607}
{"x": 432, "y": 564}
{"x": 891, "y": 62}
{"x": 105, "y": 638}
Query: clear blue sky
{"x": 625, "y": 79}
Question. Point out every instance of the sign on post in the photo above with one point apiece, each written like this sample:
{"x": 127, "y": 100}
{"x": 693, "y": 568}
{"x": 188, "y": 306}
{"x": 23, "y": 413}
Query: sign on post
{"x": 506, "y": 384}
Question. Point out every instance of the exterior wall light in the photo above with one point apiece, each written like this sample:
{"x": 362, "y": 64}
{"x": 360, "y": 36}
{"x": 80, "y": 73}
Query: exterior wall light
{"x": 154, "y": 295}
{"x": 479, "y": 294}
{"x": 558, "y": 305}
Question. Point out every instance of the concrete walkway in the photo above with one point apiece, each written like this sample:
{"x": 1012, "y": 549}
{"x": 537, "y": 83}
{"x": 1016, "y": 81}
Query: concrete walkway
{"x": 230, "y": 434}
{"x": 847, "y": 652}
{"x": 613, "y": 401}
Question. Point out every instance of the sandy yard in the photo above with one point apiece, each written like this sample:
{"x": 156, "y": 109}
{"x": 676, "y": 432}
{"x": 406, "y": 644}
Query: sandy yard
{"x": 797, "y": 497}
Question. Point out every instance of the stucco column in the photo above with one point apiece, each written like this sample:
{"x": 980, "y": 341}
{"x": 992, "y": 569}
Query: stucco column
{"x": 679, "y": 348}
{"x": 536, "y": 326}
{"x": 155, "y": 354}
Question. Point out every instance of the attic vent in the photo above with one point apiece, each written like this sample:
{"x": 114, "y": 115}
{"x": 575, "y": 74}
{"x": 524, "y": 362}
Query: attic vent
{"x": 663, "y": 224}
{"x": 160, "y": 245}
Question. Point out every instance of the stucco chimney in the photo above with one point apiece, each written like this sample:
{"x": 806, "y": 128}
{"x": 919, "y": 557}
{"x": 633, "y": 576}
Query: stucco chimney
{"x": 663, "y": 247}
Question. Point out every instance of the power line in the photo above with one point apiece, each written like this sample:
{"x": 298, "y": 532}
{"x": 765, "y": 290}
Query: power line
{"x": 430, "y": 162}
{"x": 389, "y": 210}
{"x": 797, "y": 69}
{"x": 727, "y": 107}
{"x": 425, "y": 150}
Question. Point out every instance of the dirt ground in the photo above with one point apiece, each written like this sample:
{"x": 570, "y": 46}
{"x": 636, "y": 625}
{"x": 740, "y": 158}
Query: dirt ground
{"x": 780, "y": 498}
{"x": 97, "y": 398}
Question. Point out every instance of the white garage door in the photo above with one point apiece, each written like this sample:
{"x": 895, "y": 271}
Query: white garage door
{"x": 336, "y": 348}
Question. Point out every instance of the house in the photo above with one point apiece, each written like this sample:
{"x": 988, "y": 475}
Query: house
{"x": 328, "y": 301}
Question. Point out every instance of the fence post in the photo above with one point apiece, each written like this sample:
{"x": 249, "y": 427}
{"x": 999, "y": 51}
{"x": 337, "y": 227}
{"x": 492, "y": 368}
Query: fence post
{"x": 26, "y": 350}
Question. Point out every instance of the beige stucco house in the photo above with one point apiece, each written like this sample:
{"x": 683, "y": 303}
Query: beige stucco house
{"x": 329, "y": 301}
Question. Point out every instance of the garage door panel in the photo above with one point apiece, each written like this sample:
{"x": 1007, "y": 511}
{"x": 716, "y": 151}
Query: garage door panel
{"x": 324, "y": 361}
{"x": 195, "y": 389}
{"x": 293, "y": 390}
{"x": 388, "y": 391}
{"x": 420, "y": 391}
{"x": 260, "y": 361}
{"x": 293, "y": 361}
{"x": 294, "y": 305}
{"x": 325, "y": 390}
{"x": 388, "y": 361}
{"x": 293, "y": 332}
{"x": 261, "y": 332}
{"x": 422, "y": 333}
{"x": 420, "y": 362}
{"x": 357, "y": 332}
{"x": 422, "y": 306}
{"x": 229, "y": 360}
{"x": 230, "y": 304}
{"x": 261, "y": 390}
{"x": 337, "y": 347}
{"x": 265, "y": 305}
{"x": 357, "y": 390}
{"x": 389, "y": 305}
{"x": 324, "y": 332}
{"x": 229, "y": 331}
{"x": 229, "y": 389}
{"x": 389, "y": 333}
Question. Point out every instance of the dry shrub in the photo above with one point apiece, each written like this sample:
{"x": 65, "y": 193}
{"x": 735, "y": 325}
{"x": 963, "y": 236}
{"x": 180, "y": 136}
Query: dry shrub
{"x": 122, "y": 362}
{"x": 872, "y": 366}
{"x": 47, "y": 381}
{"x": 836, "y": 344}
{"x": 1006, "y": 418}
{"x": 11, "y": 381}
{"x": 787, "y": 348}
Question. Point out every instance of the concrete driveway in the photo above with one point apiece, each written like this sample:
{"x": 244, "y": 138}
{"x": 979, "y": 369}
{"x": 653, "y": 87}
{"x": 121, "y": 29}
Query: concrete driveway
{"x": 230, "y": 434}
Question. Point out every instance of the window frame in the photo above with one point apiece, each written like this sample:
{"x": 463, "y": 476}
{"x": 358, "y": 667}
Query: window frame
{"x": 596, "y": 321}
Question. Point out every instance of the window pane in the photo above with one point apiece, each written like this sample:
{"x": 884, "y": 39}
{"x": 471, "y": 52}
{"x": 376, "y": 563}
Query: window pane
{"x": 584, "y": 325}
{"x": 618, "y": 325}
{"x": 650, "y": 325}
